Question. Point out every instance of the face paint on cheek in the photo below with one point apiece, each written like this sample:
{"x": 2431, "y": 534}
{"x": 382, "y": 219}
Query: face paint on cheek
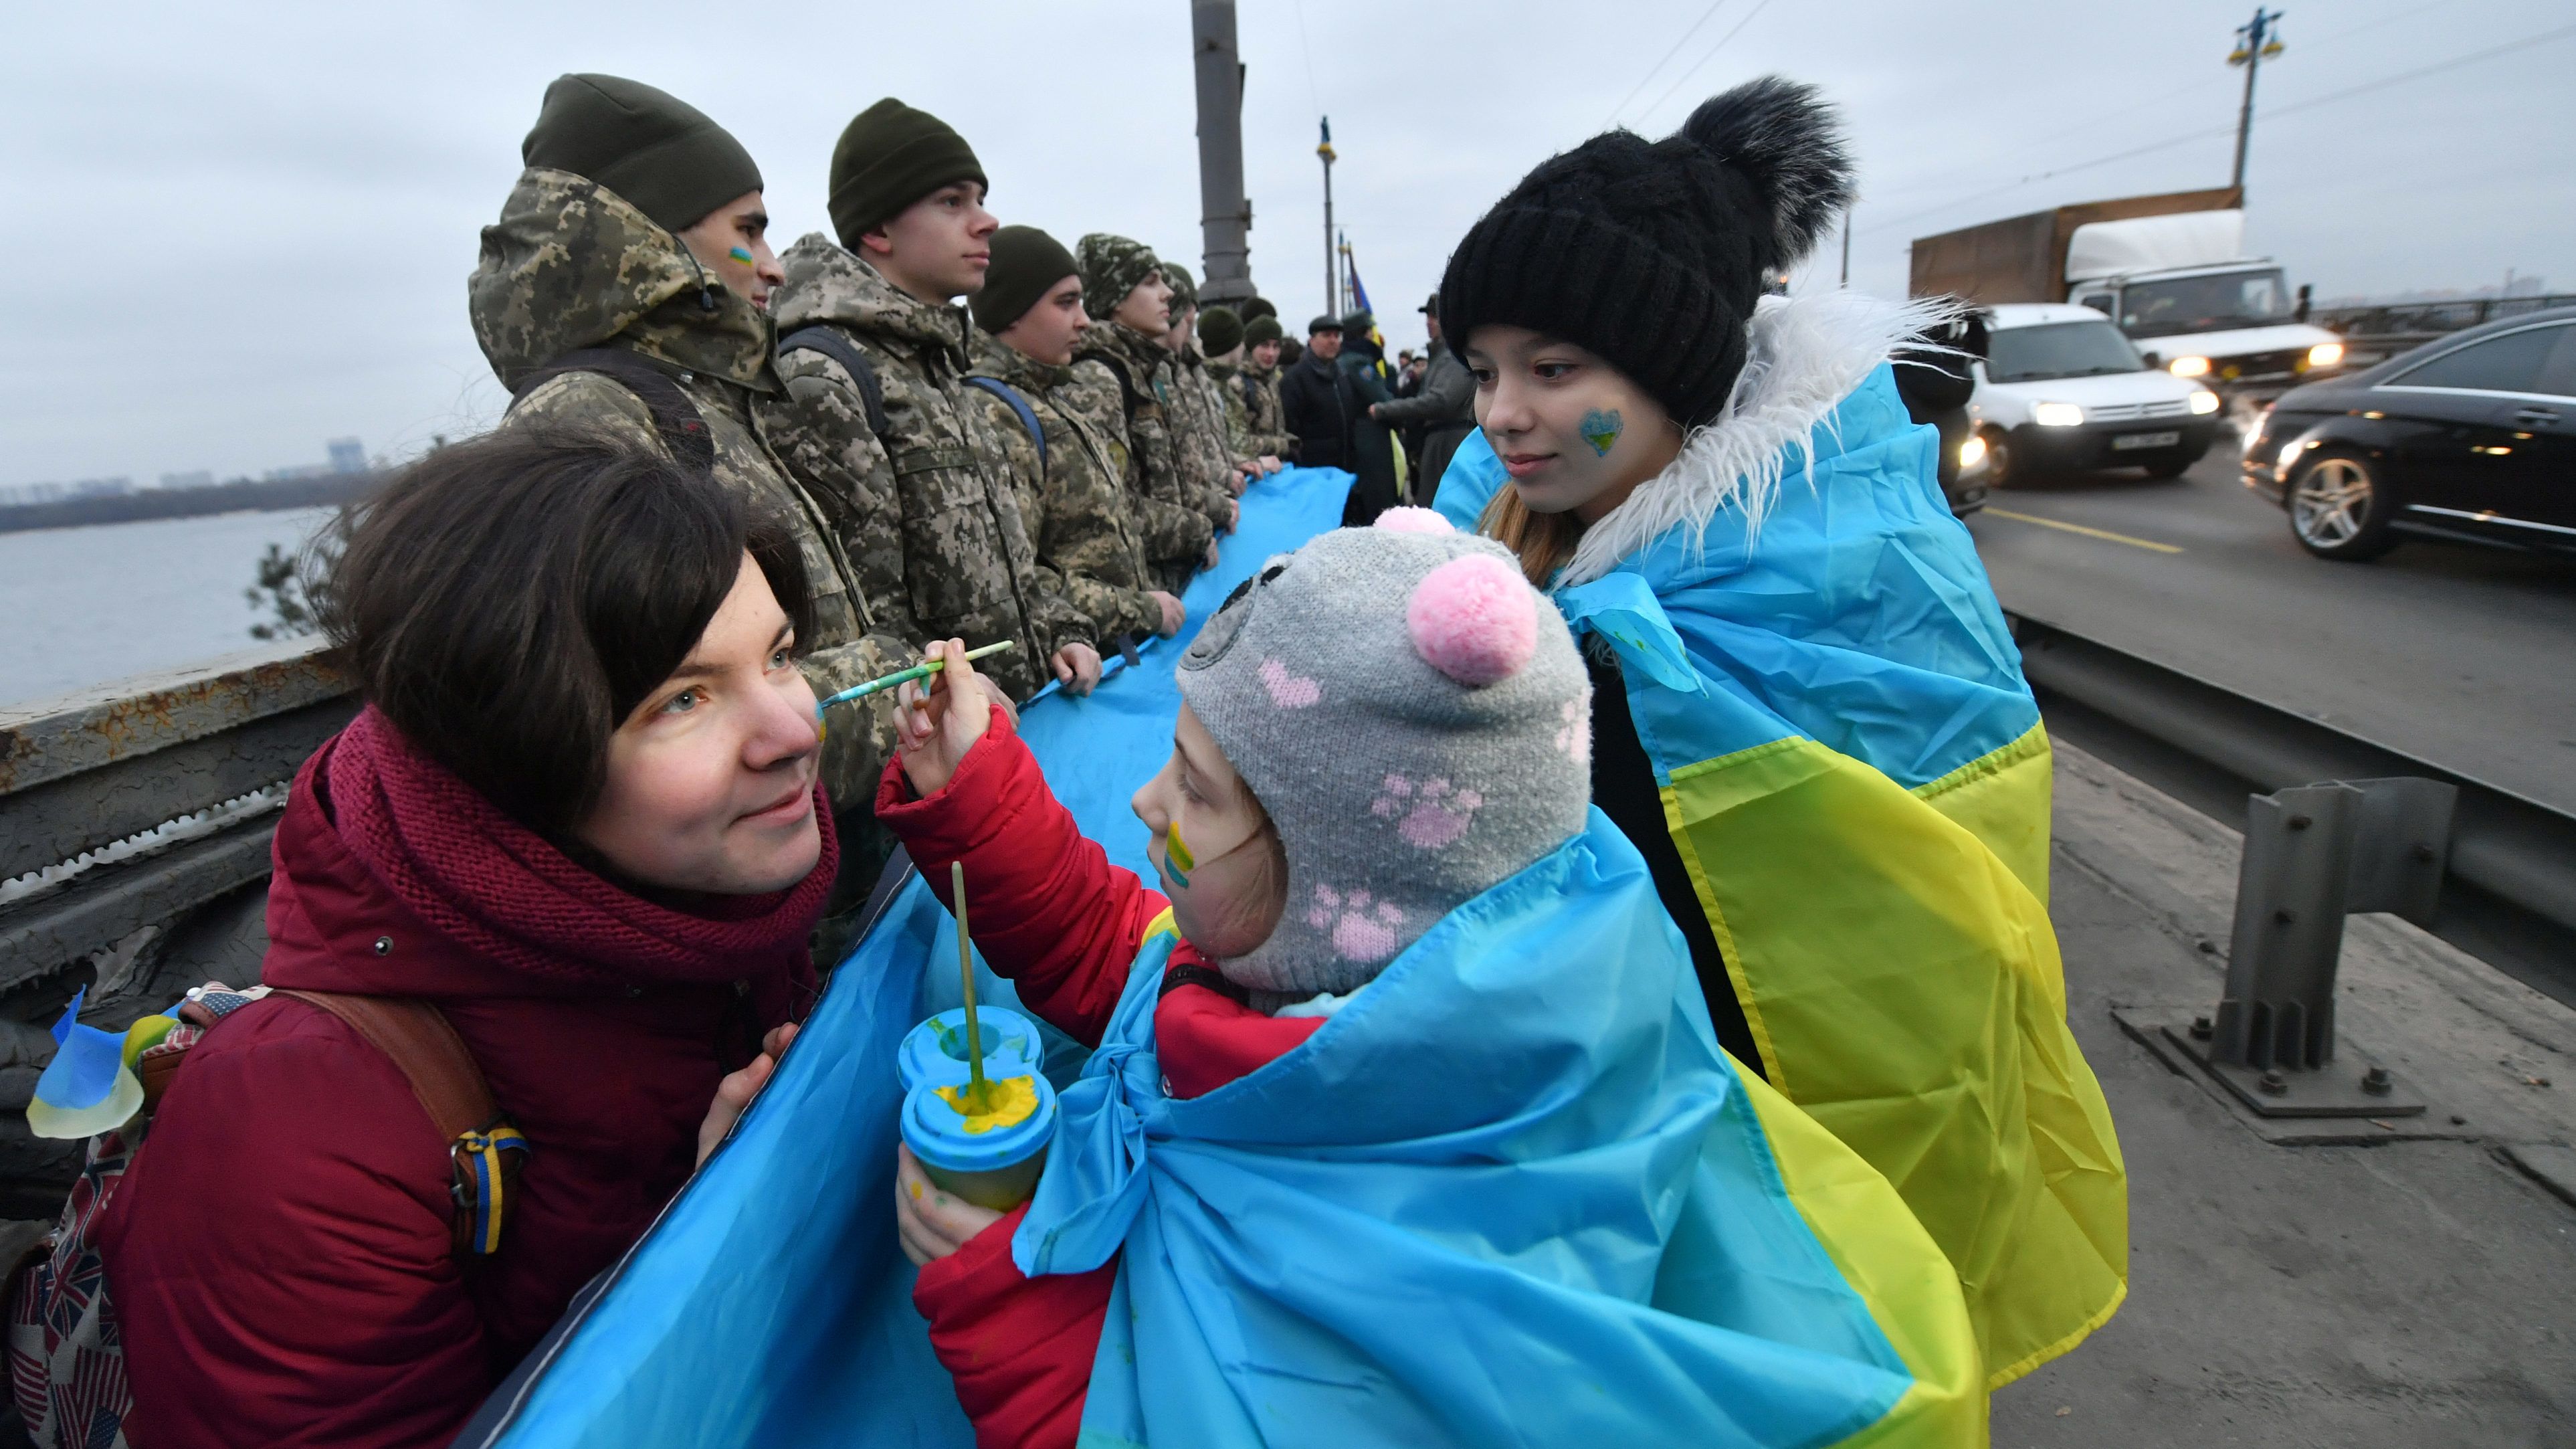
{"x": 1601, "y": 428}
{"x": 739, "y": 255}
{"x": 1177, "y": 860}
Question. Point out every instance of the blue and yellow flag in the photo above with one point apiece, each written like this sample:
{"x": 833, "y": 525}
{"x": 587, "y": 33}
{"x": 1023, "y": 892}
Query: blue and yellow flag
{"x": 1625, "y": 1232}
{"x": 1858, "y": 782}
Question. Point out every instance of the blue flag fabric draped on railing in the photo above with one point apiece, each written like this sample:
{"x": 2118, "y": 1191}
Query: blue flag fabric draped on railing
{"x": 771, "y": 1304}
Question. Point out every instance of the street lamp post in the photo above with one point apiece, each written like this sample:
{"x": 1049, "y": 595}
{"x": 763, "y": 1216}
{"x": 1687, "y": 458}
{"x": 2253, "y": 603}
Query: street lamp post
{"x": 1331, "y": 272}
{"x": 2257, "y": 40}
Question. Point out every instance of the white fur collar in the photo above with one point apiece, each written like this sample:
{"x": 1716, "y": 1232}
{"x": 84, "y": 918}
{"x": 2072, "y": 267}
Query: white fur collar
{"x": 1806, "y": 355}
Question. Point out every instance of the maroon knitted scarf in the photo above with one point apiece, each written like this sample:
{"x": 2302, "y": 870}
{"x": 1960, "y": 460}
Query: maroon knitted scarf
{"x": 502, "y": 891}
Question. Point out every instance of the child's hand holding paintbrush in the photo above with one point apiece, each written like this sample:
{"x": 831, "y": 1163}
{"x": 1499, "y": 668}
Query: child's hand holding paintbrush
{"x": 940, "y": 717}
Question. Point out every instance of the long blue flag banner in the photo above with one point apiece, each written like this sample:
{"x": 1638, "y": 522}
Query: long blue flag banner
{"x": 771, "y": 1304}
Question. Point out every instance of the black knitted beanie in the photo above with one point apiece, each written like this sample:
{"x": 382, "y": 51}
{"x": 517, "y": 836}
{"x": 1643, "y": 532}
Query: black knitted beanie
{"x": 1651, "y": 253}
{"x": 889, "y": 157}
{"x": 647, "y": 145}
{"x": 1220, "y": 331}
{"x": 1027, "y": 264}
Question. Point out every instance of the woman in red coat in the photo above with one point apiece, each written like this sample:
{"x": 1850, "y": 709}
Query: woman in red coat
{"x": 578, "y": 815}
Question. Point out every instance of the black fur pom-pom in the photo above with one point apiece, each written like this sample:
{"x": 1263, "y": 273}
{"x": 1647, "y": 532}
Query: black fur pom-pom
{"x": 1789, "y": 143}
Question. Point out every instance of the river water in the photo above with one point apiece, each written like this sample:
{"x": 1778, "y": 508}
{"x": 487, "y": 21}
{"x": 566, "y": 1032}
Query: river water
{"x": 80, "y": 606}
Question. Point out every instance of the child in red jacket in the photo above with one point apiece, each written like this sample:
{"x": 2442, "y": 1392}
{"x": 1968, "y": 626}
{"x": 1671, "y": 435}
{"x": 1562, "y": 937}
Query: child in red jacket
{"x": 1376, "y": 729}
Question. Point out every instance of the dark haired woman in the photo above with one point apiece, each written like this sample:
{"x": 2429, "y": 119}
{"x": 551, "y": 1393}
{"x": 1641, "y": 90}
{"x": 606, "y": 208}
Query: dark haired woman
{"x": 578, "y": 815}
{"x": 1807, "y": 712}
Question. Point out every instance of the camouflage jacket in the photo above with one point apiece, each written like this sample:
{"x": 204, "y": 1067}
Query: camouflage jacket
{"x": 1199, "y": 428}
{"x": 1087, "y": 540}
{"x": 1263, "y": 416}
{"x": 927, "y": 512}
{"x": 1246, "y": 389}
{"x": 571, "y": 265}
{"x": 1119, "y": 387}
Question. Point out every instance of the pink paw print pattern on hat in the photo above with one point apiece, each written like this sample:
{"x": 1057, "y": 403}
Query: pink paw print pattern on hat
{"x": 1575, "y": 737}
{"x": 1432, "y": 815}
{"x": 1288, "y": 691}
{"x": 1359, "y": 933}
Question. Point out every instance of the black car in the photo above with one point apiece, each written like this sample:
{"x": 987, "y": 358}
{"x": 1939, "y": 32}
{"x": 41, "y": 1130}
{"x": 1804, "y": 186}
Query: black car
{"x": 2472, "y": 436}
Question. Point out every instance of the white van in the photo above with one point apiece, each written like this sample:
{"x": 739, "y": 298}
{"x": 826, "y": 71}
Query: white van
{"x": 2060, "y": 388}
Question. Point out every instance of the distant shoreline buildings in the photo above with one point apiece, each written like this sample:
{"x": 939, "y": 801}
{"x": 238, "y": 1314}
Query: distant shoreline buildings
{"x": 347, "y": 474}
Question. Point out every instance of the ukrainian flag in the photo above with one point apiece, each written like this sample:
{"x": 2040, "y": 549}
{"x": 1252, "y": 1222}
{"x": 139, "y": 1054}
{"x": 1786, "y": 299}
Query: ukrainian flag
{"x": 1858, "y": 782}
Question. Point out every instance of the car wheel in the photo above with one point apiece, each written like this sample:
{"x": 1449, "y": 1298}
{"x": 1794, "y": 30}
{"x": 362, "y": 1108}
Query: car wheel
{"x": 2170, "y": 467}
{"x": 2339, "y": 507}
{"x": 2002, "y": 469}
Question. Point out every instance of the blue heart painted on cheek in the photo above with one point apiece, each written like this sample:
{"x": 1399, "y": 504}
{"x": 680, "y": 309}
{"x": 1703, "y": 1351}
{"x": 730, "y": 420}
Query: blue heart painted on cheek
{"x": 1601, "y": 428}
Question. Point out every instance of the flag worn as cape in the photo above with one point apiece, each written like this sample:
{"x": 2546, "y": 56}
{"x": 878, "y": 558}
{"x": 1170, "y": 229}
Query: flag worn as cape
{"x": 1857, "y": 780}
{"x": 1512, "y": 1193}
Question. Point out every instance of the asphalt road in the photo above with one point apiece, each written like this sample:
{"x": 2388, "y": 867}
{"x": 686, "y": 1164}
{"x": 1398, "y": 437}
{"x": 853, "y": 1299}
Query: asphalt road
{"x": 2459, "y": 655}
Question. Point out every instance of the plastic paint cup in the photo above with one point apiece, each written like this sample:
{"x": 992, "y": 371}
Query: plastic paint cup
{"x": 992, "y": 1161}
{"x": 934, "y": 1053}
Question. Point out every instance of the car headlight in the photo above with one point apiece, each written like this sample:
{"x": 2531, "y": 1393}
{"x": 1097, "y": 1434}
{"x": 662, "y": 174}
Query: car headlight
{"x": 2188, "y": 367}
{"x": 2203, "y": 402}
{"x": 2057, "y": 415}
{"x": 2325, "y": 354}
{"x": 1971, "y": 453}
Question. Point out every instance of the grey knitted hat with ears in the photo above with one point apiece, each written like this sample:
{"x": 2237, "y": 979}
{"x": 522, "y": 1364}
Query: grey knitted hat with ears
{"x": 1415, "y": 719}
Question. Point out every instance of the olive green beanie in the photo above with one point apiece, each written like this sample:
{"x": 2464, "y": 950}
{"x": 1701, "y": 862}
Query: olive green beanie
{"x": 1027, "y": 264}
{"x": 889, "y": 157}
{"x": 648, "y": 146}
{"x": 1112, "y": 266}
{"x": 1185, "y": 292}
{"x": 1220, "y": 331}
{"x": 1264, "y": 328}
{"x": 1257, "y": 307}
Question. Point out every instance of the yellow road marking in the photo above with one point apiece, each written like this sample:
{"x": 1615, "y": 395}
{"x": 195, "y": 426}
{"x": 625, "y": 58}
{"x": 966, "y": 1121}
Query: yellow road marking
{"x": 2101, "y": 533}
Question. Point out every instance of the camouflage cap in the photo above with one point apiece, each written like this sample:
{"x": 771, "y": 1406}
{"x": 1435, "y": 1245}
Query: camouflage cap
{"x": 1185, "y": 292}
{"x": 1111, "y": 268}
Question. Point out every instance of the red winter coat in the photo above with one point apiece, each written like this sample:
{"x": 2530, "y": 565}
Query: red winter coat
{"x": 279, "y": 1253}
{"x": 1053, "y": 915}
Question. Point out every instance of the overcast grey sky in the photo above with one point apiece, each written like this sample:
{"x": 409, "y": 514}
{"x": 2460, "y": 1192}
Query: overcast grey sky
{"x": 242, "y": 230}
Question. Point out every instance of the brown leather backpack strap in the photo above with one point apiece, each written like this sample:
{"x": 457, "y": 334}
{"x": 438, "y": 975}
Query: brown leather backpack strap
{"x": 416, "y": 1035}
{"x": 484, "y": 1152}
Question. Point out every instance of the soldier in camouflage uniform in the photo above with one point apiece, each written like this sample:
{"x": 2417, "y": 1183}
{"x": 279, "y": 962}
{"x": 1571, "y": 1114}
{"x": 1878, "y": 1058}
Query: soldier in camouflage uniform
{"x": 1221, "y": 339}
{"x": 1122, "y": 386}
{"x": 1198, "y": 411}
{"x": 932, "y": 524}
{"x": 1265, "y": 422}
{"x": 1030, "y": 315}
{"x": 619, "y": 237}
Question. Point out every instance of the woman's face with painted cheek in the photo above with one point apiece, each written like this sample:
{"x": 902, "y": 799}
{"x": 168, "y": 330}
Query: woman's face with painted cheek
{"x": 1575, "y": 433}
{"x": 1210, "y": 846}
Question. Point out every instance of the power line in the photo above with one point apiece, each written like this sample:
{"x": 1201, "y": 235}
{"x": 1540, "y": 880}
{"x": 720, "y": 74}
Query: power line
{"x": 2335, "y": 38}
{"x": 1314, "y": 92}
{"x": 2311, "y": 103}
{"x": 1666, "y": 60}
{"x": 1698, "y": 64}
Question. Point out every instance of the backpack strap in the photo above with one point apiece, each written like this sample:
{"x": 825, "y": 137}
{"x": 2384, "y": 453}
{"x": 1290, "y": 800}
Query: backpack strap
{"x": 836, "y": 345}
{"x": 487, "y": 1152}
{"x": 676, "y": 418}
{"x": 1020, "y": 405}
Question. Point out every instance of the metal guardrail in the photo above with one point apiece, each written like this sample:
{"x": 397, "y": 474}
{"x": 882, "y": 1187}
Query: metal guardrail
{"x": 128, "y": 804}
{"x": 2429, "y": 319}
{"x": 2508, "y": 847}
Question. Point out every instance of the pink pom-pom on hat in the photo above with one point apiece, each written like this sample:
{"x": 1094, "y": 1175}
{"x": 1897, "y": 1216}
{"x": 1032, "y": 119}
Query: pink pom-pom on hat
{"x": 1474, "y": 618}
{"x": 1414, "y": 520}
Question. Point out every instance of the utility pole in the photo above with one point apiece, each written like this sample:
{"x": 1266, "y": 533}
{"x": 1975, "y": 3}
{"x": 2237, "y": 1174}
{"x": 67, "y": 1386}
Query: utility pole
{"x": 2257, "y": 40}
{"x": 1332, "y": 268}
{"x": 1225, "y": 214}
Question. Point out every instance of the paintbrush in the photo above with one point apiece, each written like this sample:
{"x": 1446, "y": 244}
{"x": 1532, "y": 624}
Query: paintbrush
{"x": 903, "y": 676}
